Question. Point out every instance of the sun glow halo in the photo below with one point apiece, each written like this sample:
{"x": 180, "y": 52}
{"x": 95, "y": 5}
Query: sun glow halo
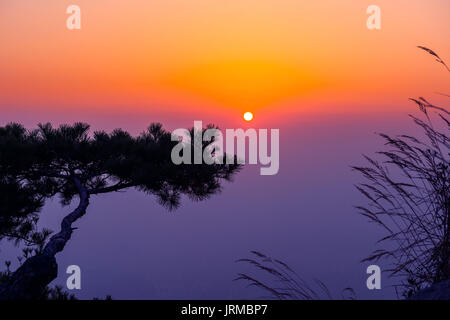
{"x": 248, "y": 116}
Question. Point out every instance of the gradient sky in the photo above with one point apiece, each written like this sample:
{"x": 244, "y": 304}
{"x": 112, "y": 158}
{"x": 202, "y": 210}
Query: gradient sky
{"x": 178, "y": 56}
{"x": 310, "y": 68}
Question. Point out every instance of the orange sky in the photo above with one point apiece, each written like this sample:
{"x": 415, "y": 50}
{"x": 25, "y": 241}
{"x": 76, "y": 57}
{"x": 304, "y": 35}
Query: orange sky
{"x": 229, "y": 56}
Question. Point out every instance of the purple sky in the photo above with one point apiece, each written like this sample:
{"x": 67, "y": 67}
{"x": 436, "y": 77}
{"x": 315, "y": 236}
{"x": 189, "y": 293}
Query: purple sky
{"x": 130, "y": 247}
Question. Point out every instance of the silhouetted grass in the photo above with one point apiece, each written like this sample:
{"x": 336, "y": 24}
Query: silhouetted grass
{"x": 409, "y": 197}
{"x": 284, "y": 283}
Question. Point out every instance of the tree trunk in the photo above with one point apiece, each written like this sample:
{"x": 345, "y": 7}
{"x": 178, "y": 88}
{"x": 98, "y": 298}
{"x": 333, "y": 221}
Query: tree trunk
{"x": 30, "y": 280}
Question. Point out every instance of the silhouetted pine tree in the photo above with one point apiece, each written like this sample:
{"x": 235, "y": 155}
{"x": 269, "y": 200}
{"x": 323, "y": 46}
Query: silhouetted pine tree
{"x": 70, "y": 163}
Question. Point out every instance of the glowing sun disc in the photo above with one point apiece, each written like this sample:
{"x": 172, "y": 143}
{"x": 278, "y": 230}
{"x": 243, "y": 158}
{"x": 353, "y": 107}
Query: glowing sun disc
{"x": 248, "y": 116}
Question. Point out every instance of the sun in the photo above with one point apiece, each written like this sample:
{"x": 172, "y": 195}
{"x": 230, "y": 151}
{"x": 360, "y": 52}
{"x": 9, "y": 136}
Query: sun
{"x": 248, "y": 116}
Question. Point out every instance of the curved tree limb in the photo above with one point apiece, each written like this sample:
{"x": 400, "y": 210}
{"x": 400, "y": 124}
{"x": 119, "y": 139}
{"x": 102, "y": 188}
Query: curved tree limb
{"x": 58, "y": 241}
{"x": 31, "y": 278}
